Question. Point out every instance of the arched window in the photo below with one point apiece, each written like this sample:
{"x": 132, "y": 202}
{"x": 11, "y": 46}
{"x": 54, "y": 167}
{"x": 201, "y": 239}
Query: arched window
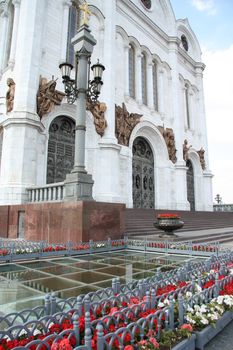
{"x": 73, "y": 25}
{"x": 131, "y": 71}
{"x": 155, "y": 84}
{"x": 187, "y": 106}
{"x": 144, "y": 78}
{"x": 60, "y": 149}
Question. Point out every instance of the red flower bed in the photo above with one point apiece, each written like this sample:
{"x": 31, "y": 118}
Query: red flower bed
{"x": 3, "y": 252}
{"x": 168, "y": 216}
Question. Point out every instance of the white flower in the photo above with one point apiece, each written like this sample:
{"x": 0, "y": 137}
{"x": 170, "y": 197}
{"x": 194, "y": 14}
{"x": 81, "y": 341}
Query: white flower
{"x": 36, "y": 332}
{"x": 196, "y": 307}
{"x": 188, "y": 294}
{"x": 203, "y": 308}
{"x": 22, "y": 332}
{"x": 190, "y": 309}
{"x": 160, "y": 304}
{"x": 166, "y": 302}
{"x": 198, "y": 288}
{"x": 204, "y": 320}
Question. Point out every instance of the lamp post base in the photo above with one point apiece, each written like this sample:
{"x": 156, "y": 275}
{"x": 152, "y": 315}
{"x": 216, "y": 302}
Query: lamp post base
{"x": 78, "y": 187}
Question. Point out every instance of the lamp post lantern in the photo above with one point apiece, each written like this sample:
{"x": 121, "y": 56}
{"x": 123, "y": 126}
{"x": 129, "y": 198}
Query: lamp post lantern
{"x": 78, "y": 184}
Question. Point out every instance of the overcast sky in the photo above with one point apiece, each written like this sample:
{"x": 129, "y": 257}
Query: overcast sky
{"x": 211, "y": 21}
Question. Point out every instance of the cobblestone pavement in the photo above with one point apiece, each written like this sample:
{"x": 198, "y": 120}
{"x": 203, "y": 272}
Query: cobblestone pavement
{"x": 223, "y": 340}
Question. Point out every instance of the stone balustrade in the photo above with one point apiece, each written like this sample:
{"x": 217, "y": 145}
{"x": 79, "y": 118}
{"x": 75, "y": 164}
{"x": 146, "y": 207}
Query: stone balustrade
{"x": 47, "y": 193}
{"x": 223, "y": 207}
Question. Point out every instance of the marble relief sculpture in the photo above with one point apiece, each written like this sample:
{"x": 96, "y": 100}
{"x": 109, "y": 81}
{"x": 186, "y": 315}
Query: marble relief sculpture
{"x": 124, "y": 124}
{"x": 48, "y": 96}
{"x": 10, "y": 95}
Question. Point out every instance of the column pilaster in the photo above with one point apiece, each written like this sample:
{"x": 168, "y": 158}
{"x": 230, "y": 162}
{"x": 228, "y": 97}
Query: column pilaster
{"x": 64, "y": 32}
{"x": 16, "y": 4}
{"x": 138, "y": 77}
{"x": 150, "y": 90}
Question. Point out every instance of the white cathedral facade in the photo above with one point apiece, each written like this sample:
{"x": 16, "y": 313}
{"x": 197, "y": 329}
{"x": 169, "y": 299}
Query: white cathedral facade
{"x": 146, "y": 142}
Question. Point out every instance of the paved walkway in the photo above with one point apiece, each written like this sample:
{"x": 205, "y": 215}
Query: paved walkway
{"x": 223, "y": 340}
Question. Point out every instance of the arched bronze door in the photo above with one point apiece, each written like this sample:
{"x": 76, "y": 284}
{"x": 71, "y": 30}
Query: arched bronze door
{"x": 190, "y": 185}
{"x": 143, "y": 174}
{"x": 60, "y": 149}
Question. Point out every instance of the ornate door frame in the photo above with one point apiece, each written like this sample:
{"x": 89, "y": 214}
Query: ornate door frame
{"x": 143, "y": 174}
{"x": 190, "y": 185}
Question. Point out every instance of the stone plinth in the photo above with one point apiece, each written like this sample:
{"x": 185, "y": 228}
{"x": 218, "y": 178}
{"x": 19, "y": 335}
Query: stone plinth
{"x": 65, "y": 221}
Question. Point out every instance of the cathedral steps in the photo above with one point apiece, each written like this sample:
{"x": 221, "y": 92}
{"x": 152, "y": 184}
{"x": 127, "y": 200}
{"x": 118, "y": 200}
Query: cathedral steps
{"x": 199, "y": 227}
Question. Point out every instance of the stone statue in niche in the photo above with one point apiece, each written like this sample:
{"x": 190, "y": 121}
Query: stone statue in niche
{"x": 186, "y": 149}
{"x": 124, "y": 124}
{"x": 47, "y": 96}
{"x": 201, "y": 154}
{"x": 98, "y": 110}
{"x": 10, "y": 95}
{"x": 169, "y": 138}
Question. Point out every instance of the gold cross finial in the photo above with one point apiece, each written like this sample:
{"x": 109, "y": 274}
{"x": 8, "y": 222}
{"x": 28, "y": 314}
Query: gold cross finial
{"x": 85, "y": 13}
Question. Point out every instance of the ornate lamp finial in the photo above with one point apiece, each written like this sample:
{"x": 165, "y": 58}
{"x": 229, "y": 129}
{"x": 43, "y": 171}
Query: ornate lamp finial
{"x": 86, "y": 13}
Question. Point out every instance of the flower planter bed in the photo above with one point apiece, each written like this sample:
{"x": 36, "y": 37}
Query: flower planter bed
{"x": 208, "y": 333}
{"x": 186, "y": 344}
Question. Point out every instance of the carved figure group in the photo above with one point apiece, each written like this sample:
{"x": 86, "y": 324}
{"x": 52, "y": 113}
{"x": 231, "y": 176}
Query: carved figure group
{"x": 169, "y": 138}
{"x": 186, "y": 149}
{"x": 10, "y": 95}
{"x": 48, "y": 96}
{"x": 124, "y": 124}
{"x": 98, "y": 110}
{"x": 201, "y": 154}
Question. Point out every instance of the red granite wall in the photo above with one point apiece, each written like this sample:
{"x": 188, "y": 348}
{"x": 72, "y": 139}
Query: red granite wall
{"x": 4, "y": 220}
{"x": 65, "y": 221}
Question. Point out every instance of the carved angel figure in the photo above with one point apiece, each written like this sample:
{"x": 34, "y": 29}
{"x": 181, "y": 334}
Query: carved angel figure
{"x": 48, "y": 96}
{"x": 10, "y": 95}
{"x": 124, "y": 123}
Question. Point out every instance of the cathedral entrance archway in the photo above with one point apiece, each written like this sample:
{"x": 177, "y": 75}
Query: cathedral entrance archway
{"x": 190, "y": 185}
{"x": 143, "y": 174}
{"x": 61, "y": 147}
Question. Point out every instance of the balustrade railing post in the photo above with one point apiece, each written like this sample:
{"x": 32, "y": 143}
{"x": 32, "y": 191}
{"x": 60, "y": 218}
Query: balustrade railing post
{"x": 148, "y": 305}
{"x": 75, "y": 320}
{"x": 153, "y": 298}
{"x": 100, "y": 337}
{"x": 216, "y": 286}
{"x": 91, "y": 245}
{"x": 118, "y": 285}
{"x": 47, "y": 304}
{"x": 199, "y": 279}
{"x": 171, "y": 313}
{"x": 140, "y": 288}
{"x": 53, "y": 304}
{"x": 79, "y": 305}
{"x": 114, "y": 288}
{"x": 87, "y": 304}
{"x": 87, "y": 338}
{"x": 180, "y": 309}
